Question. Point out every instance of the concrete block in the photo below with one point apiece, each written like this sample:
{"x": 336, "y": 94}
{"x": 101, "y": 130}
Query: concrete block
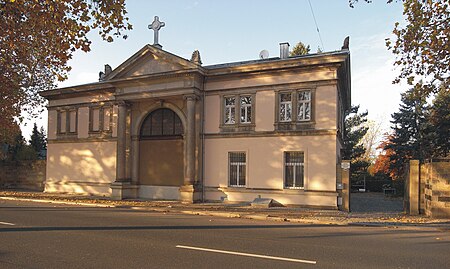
{"x": 265, "y": 203}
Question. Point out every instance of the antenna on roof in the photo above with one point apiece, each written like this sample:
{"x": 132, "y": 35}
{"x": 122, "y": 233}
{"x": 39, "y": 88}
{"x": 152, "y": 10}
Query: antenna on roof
{"x": 315, "y": 22}
{"x": 264, "y": 54}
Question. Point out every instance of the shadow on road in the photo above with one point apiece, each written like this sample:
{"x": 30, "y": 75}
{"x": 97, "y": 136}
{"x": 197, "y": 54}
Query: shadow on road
{"x": 181, "y": 227}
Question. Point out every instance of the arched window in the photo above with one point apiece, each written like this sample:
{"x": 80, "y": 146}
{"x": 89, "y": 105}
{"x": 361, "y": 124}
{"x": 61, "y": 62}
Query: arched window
{"x": 162, "y": 122}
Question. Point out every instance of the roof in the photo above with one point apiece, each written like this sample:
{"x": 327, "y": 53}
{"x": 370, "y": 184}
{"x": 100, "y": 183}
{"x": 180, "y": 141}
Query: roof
{"x": 119, "y": 74}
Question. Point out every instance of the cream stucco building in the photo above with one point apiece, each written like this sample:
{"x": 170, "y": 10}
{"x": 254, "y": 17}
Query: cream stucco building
{"x": 163, "y": 127}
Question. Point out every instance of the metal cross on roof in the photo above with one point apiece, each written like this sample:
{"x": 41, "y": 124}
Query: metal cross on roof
{"x": 155, "y": 26}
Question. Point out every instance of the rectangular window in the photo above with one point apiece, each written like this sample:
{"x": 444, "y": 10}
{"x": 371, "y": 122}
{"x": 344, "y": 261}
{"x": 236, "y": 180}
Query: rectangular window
{"x": 237, "y": 169}
{"x": 285, "y": 107}
{"x": 107, "y": 112}
{"x": 230, "y": 110}
{"x": 95, "y": 119}
{"x": 100, "y": 118}
{"x": 294, "y": 169}
{"x": 304, "y": 106}
{"x": 73, "y": 121}
{"x": 62, "y": 121}
{"x": 246, "y": 109}
{"x": 67, "y": 121}
{"x": 294, "y": 110}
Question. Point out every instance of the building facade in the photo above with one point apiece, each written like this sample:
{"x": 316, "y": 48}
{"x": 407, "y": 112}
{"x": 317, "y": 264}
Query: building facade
{"x": 163, "y": 127}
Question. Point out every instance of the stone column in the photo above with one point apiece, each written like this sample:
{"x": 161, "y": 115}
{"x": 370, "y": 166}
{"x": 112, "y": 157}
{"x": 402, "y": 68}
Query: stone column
{"x": 189, "y": 178}
{"x": 190, "y": 191}
{"x": 122, "y": 188}
{"x": 121, "y": 143}
{"x": 134, "y": 159}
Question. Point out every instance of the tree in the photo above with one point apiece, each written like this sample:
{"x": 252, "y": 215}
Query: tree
{"x": 422, "y": 45}
{"x": 371, "y": 139}
{"x": 439, "y": 120}
{"x": 385, "y": 161}
{"x": 353, "y": 134}
{"x": 300, "y": 49}
{"x": 353, "y": 149}
{"x": 9, "y": 129}
{"x": 7, "y": 137}
{"x": 37, "y": 40}
{"x": 37, "y": 140}
{"x": 15, "y": 147}
{"x": 410, "y": 138}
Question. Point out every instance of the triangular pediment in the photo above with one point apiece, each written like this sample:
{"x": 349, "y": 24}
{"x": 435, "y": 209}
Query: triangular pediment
{"x": 148, "y": 61}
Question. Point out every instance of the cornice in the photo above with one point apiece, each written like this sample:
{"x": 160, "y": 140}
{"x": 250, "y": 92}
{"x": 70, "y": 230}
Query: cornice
{"x": 305, "y": 61}
{"x": 310, "y": 132}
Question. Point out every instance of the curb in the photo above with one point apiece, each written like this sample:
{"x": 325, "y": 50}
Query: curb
{"x": 55, "y": 202}
{"x": 240, "y": 215}
{"x": 395, "y": 225}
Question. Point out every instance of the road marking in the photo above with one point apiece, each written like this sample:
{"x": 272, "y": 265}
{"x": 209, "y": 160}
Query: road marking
{"x": 248, "y": 254}
{"x": 7, "y": 223}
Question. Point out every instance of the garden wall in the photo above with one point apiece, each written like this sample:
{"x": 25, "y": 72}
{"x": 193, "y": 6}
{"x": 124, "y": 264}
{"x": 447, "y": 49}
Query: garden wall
{"x": 25, "y": 175}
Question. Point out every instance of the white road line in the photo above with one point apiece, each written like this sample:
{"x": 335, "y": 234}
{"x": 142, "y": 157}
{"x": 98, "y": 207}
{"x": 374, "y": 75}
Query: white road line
{"x": 247, "y": 254}
{"x": 7, "y": 223}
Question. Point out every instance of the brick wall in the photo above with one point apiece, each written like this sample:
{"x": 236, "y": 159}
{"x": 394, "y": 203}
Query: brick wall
{"x": 28, "y": 175}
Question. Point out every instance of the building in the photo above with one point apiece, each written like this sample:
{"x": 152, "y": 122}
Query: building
{"x": 163, "y": 127}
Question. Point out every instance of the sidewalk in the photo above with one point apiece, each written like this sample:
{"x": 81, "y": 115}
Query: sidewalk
{"x": 290, "y": 213}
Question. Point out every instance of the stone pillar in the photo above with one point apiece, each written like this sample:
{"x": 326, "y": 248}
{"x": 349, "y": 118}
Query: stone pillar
{"x": 121, "y": 143}
{"x": 345, "y": 187}
{"x": 189, "y": 178}
{"x": 135, "y": 159}
{"x": 190, "y": 192}
{"x": 122, "y": 188}
{"x": 413, "y": 187}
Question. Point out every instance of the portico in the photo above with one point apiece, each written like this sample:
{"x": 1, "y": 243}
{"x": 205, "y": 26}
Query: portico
{"x": 134, "y": 105}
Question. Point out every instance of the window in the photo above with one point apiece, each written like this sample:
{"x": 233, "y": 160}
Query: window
{"x": 162, "y": 122}
{"x": 238, "y": 112}
{"x": 62, "y": 121}
{"x": 294, "y": 170}
{"x": 246, "y": 109}
{"x": 230, "y": 110}
{"x": 67, "y": 121}
{"x": 100, "y": 118}
{"x": 107, "y": 119}
{"x": 285, "y": 107}
{"x": 304, "y": 106}
{"x": 237, "y": 169}
{"x": 95, "y": 119}
{"x": 295, "y": 110}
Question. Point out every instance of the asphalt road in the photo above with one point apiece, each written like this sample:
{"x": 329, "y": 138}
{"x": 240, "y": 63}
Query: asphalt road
{"x": 36, "y": 235}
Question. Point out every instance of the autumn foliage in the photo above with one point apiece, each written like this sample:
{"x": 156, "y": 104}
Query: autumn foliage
{"x": 384, "y": 161}
{"x": 39, "y": 37}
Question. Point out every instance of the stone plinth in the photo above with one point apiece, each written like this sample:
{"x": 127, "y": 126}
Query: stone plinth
{"x": 123, "y": 190}
{"x": 190, "y": 193}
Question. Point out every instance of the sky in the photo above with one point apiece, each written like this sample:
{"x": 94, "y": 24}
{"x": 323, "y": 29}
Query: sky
{"x": 237, "y": 30}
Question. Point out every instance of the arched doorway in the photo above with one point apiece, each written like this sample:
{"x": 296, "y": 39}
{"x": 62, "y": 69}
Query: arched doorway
{"x": 161, "y": 161}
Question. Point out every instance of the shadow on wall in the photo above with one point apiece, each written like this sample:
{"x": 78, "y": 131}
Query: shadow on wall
{"x": 81, "y": 167}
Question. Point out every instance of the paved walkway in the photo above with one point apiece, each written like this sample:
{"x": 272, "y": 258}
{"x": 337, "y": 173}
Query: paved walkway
{"x": 375, "y": 202}
{"x": 290, "y": 213}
